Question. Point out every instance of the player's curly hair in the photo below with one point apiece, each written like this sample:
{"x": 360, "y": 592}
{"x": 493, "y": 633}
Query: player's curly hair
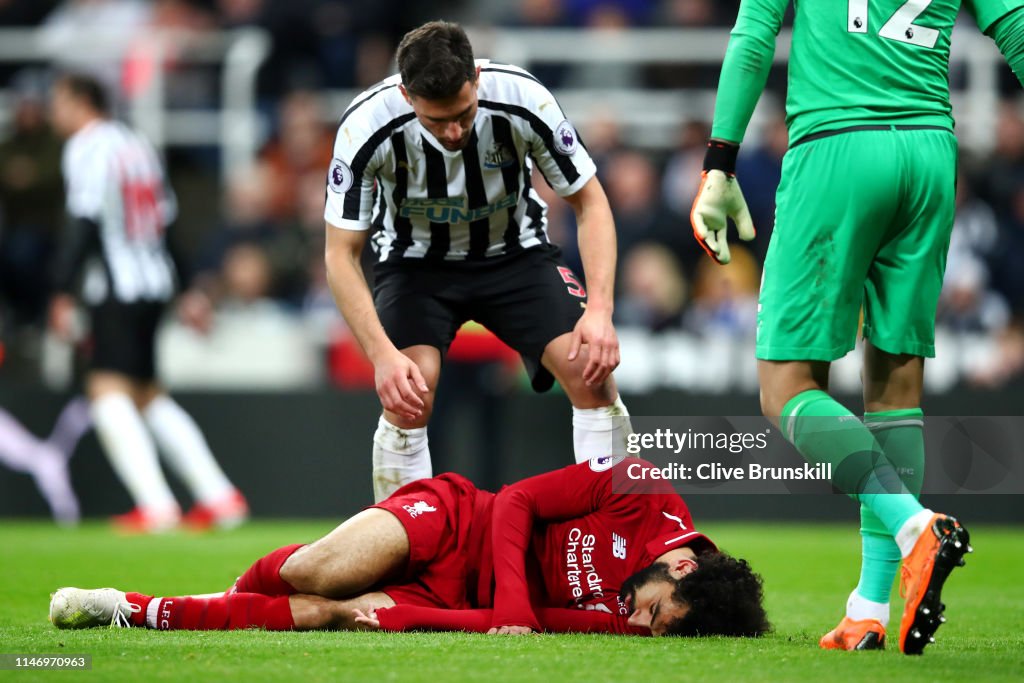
{"x": 725, "y": 598}
{"x": 435, "y": 60}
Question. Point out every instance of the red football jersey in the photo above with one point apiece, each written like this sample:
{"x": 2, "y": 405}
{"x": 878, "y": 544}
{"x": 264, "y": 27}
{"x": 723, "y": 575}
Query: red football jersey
{"x": 584, "y": 538}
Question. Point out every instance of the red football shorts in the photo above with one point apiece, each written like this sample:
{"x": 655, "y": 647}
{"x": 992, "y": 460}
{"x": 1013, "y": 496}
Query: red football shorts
{"x": 447, "y": 519}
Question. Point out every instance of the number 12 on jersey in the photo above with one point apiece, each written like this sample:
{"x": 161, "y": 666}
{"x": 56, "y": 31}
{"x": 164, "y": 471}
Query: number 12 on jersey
{"x": 900, "y": 27}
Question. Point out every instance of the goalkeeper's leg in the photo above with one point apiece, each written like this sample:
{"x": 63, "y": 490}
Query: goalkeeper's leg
{"x": 892, "y": 400}
{"x": 822, "y": 430}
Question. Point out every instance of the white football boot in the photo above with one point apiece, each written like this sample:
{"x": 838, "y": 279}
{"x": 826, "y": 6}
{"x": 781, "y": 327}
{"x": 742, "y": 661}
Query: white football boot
{"x": 80, "y": 608}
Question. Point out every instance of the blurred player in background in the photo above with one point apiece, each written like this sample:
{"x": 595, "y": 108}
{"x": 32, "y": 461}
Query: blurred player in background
{"x": 46, "y": 460}
{"x": 437, "y": 161}
{"x": 593, "y": 547}
{"x": 119, "y": 207}
{"x": 865, "y": 211}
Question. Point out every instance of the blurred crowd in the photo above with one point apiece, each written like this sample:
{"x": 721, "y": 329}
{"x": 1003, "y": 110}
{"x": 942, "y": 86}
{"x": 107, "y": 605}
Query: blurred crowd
{"x": 255, "y": 242}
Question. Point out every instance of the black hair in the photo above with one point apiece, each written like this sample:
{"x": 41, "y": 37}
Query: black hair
{"x": 87, "y": 89}
{"x": 725, "y": 598}
{"x": 435, "y": 60}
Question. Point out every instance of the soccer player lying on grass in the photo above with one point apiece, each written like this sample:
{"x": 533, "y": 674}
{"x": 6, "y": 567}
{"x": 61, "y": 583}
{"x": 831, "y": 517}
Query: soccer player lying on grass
{"x": 564, "y": 551}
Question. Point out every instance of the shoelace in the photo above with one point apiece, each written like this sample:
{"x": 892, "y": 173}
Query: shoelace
{"x": 122, "y": 619}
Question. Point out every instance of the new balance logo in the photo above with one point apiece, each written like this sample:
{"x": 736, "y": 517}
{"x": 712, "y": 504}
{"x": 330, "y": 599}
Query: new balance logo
{"x": 618, "y": 546}
{"x": 418, "y": 508}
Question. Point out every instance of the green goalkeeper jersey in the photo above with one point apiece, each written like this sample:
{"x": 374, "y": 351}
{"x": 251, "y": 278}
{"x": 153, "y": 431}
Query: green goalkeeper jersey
{"x": 852, "y": 62}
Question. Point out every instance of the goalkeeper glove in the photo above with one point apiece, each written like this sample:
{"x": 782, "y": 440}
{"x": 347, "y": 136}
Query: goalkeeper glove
{"x": 718, "y": 199}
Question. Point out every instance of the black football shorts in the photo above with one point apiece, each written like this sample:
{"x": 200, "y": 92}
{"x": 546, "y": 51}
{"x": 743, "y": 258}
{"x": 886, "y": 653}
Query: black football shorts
{"x": 124, "y": 338}
{"x": 526, "y": 299}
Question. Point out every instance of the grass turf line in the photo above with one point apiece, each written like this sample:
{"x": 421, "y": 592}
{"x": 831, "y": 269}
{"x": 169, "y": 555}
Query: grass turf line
{"x": 808, "y": 572}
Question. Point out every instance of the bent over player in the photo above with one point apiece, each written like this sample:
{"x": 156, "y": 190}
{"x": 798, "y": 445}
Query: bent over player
{"x": 864, "y": 214}
{"x": 437, "y": 161}
{"x": 563, "y": 551}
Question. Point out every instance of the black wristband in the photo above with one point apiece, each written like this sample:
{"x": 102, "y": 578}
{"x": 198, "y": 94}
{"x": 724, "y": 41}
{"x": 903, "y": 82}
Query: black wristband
{"x": 721, "y": 156}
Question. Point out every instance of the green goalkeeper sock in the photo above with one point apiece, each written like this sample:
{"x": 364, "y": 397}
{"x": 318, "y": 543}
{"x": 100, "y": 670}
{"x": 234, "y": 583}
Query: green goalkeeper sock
{"x": 899, "y": 433}
{"x": 826, "y": 432}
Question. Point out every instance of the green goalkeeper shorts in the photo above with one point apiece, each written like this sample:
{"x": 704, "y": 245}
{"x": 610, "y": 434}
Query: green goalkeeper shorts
{"x": 862, "y": 221}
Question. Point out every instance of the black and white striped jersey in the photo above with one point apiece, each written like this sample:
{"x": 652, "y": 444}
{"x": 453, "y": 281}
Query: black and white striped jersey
{"x": 427, "y": 202}
{"x": 114, "y": 179}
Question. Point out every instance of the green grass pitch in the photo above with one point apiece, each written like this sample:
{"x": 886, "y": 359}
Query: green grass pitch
{"x": 808, "y": 571}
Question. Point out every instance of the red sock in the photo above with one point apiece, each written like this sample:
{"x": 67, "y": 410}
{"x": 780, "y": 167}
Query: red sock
{"x": 264, "y": 576}
{"x": 142, "y": 600}
{"x": 233, "y": 611}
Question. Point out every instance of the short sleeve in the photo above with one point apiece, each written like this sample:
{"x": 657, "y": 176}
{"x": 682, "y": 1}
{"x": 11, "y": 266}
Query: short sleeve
{"x": 555, "y": 144}
{"x": 352, "y": 173}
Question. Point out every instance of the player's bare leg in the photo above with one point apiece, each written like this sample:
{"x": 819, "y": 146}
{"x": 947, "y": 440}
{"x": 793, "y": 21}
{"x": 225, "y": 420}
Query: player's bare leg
{"x": 782, "y": 380}
{"x": 600, "y": 419}
{"x": 401, "y": 453}
{"x": 366, "y": 549}
{"x": 891, "y": 381}
{"x": 131, "y": 452}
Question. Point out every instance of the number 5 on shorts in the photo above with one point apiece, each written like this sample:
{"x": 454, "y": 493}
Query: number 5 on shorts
{"x": 569, "y": 278}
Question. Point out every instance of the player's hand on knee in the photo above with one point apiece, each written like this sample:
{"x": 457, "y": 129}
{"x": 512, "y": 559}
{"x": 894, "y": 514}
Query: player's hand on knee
{"x": 718, "y": 199}
{"x": 367, "y": 620}
{"x": 400, "y": 386}
{"x": 510, "y": 631}
{"x": 598, "y": 333}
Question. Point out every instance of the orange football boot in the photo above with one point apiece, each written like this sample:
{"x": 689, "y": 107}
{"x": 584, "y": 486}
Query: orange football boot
{"x": 939, "y": 550}
{"x": 862, "y": 634}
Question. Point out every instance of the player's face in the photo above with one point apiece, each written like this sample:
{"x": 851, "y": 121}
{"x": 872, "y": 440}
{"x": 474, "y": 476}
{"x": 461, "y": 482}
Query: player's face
{"x": 648, "y": 593}
{"x": 62, "y": 107}
{"x": 450, "y": 120}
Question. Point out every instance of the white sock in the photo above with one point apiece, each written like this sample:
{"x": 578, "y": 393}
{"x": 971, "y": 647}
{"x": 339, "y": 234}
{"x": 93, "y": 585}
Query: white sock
{"x": 186, "y": 450}
{"x": 858, "y": 607}
{"x": 400, "y": 456}
{"x": 153, "y": 613}
{"x": 911, "y": 530}
{"x": 131, "y": 451}
{"x": 599, "y": 432}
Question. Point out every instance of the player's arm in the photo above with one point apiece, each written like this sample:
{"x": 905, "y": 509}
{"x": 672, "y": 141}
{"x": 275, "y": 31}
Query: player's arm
{"x": 350, "y": 194}
{"x": 552, "y": 620}
{"x": 748, "y": 59}
{"x": 85, "y": 179}
{"x": 1007, "y": 30}
{"x": 571, "y": 173}
{"x": 569, "y": 492}
{"x": 597, "y": 244}
{"x": 398, "y": 379}
{"x": 79, "y": 237}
